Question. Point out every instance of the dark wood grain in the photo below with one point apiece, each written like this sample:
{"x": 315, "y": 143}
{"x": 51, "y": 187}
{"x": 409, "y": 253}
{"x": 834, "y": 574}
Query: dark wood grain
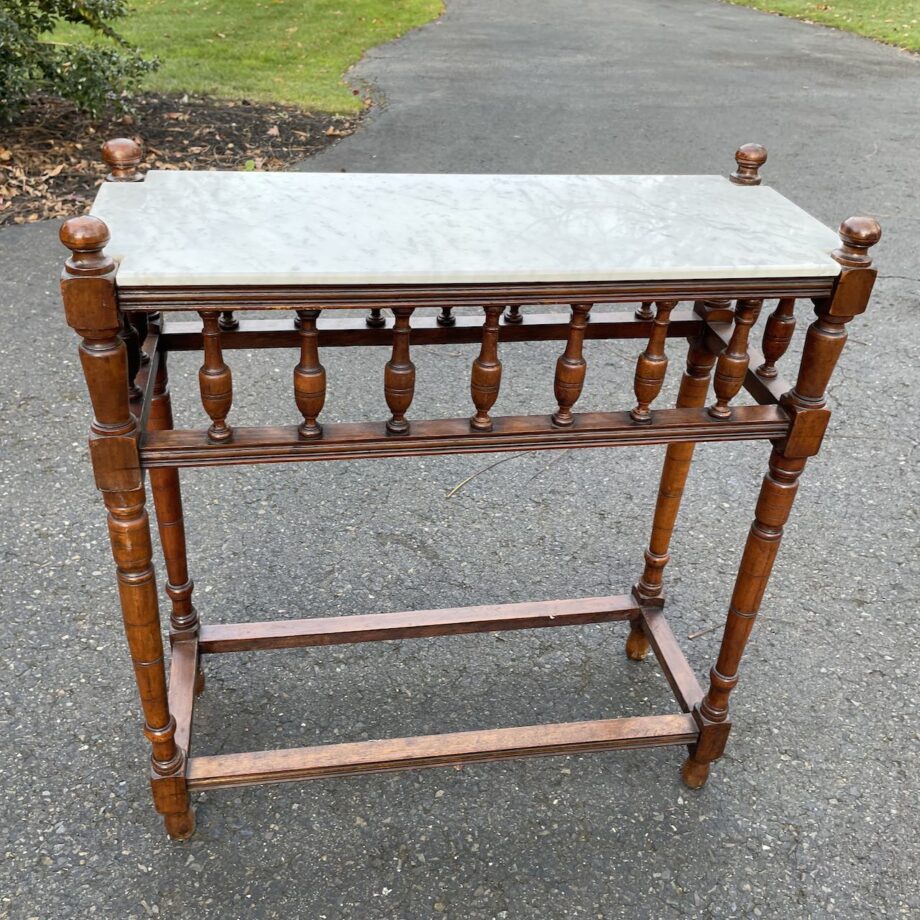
{"x": 183, "y": 671}
{"x": 124, "y": 355}
{"x": 167, "y": 500}
{"x": 238, "y": 637}
{"x": 486, "y": 375}
{"x": 438, "y": 750}
{"x": 309, "y": 376}
{"x": 768, "y": 391}
{"x": 674, "y": 665}
{"x": 734, "y": 361}
{"x": 88, "y": 292}
{"x": 364, "y": 440}
{"x": 806, "y": 402}
{"x": 777, "y": 335}
{"x": 652, "y": 364}
{"x": 281, "y": 297}
{"x": 694, "y": 387}
{"x": 215, "y": 379}
{"x": 399, "y": 374}
{"x": 342, "y": 332}
{"x": 571, "y": 367}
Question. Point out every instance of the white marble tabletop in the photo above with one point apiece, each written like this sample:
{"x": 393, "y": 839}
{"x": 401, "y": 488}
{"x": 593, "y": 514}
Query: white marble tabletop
{"x": 234, "y": 228}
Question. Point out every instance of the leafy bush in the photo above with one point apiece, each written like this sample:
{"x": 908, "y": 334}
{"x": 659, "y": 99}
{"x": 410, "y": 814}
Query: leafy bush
{"x": 92, "y": 76}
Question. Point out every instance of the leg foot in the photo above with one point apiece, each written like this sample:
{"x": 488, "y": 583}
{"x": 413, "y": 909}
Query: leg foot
{"x": 694, "y": 773}
{"x": 180, "y": 826}
{"x": 637, "y": 646}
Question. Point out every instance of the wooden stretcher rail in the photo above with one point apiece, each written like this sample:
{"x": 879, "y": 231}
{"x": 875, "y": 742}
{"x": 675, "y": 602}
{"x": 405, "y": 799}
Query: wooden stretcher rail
{"x": 676, "y": 669}
{"x": 238, "y": 637}
{"x": 342, "y": 333}
{"x": 365, "y": 440}
{"x": 438, "y": 750}
{"x": 280, "y": 297}
{"x": 182, "y": 669}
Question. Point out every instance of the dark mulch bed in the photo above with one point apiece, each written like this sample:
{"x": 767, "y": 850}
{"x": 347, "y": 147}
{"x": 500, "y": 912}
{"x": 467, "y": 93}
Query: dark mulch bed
{"x": 50, "y": 162}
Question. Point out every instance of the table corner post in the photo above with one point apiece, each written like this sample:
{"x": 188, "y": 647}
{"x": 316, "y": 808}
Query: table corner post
{"x": 806, "y": 405}
{"x": 91, "y": 309}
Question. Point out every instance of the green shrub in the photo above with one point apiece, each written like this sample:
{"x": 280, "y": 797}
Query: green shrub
{"x": 92, "y": 75}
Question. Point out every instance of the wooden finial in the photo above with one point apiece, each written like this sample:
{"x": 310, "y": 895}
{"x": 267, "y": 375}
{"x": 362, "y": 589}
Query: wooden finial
{"x": 86, "y": 237}
{"x": 857, "y": 234}
{"x": 749, "y": 158}
{"x": 123, "y": 156}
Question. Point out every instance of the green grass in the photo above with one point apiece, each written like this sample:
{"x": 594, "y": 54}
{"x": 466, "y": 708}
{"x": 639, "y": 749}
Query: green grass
{"x": 293, "y": 51}
{"x": 896, "y": 22}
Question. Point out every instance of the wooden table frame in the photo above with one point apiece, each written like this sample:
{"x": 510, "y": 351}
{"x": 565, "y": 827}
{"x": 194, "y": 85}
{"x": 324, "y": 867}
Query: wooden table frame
{"x": 127, "y": 334}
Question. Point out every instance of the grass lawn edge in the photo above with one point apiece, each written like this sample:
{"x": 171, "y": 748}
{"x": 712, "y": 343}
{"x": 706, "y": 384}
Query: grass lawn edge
{"x": 910, "y": 43}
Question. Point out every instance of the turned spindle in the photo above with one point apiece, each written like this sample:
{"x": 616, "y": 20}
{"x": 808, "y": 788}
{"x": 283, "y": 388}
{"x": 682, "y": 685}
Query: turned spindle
{"x": 571, "y": 367}
{"x": 228, "y": 321}
{"x": 652, "y": 363}
{"x": 487, "y": 371}
{"x": 123, "y": 156}
{"x": 399, "y": 374}
{"x": 777, "y": 335}
{"x": 734, "y": 360}
{"x": 749, "y": 158}
{"x": 514, "y": 315}
{"x": 446, "y": 317}
{"x": 309, "y": 376}
{"x": 375, "y": 319}
{"x": 644, "y": 310}
{"x": 215, "y": 379}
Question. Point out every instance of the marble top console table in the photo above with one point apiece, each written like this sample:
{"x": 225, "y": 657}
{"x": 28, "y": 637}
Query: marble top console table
{"x": 694, "y": 256}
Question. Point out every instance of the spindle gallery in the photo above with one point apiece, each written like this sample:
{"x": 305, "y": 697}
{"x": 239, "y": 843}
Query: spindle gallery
{"x": 173, "y": 242}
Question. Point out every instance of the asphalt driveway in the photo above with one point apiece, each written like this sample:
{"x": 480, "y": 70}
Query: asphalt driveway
{"x": 811, "y": 814}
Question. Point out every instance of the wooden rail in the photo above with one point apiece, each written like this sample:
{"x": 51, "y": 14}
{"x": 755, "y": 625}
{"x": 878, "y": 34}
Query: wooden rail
{"x": 238, "y": 637}
{"x": 365, "y": 440}
{"x": 335, "y": 332}
{"x": 686, "y": 687}
{"x": 339, "y": 297}
{"x": 438, "y": 750}
{"x": 182, "y": 669}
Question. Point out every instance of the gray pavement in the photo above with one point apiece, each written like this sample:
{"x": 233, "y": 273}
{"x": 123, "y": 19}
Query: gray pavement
{"x": 811, "y": 814}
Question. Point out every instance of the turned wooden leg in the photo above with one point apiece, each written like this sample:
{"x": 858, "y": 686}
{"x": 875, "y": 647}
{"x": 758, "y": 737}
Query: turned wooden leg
{"x": 694, "y": 388}
{"x": 88, "y": 291}
{"x": 167, "y": 501}
{"x": 773, "y": 506}
{"x": 805, "y": 404}
{"x": 129, "y": 531}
